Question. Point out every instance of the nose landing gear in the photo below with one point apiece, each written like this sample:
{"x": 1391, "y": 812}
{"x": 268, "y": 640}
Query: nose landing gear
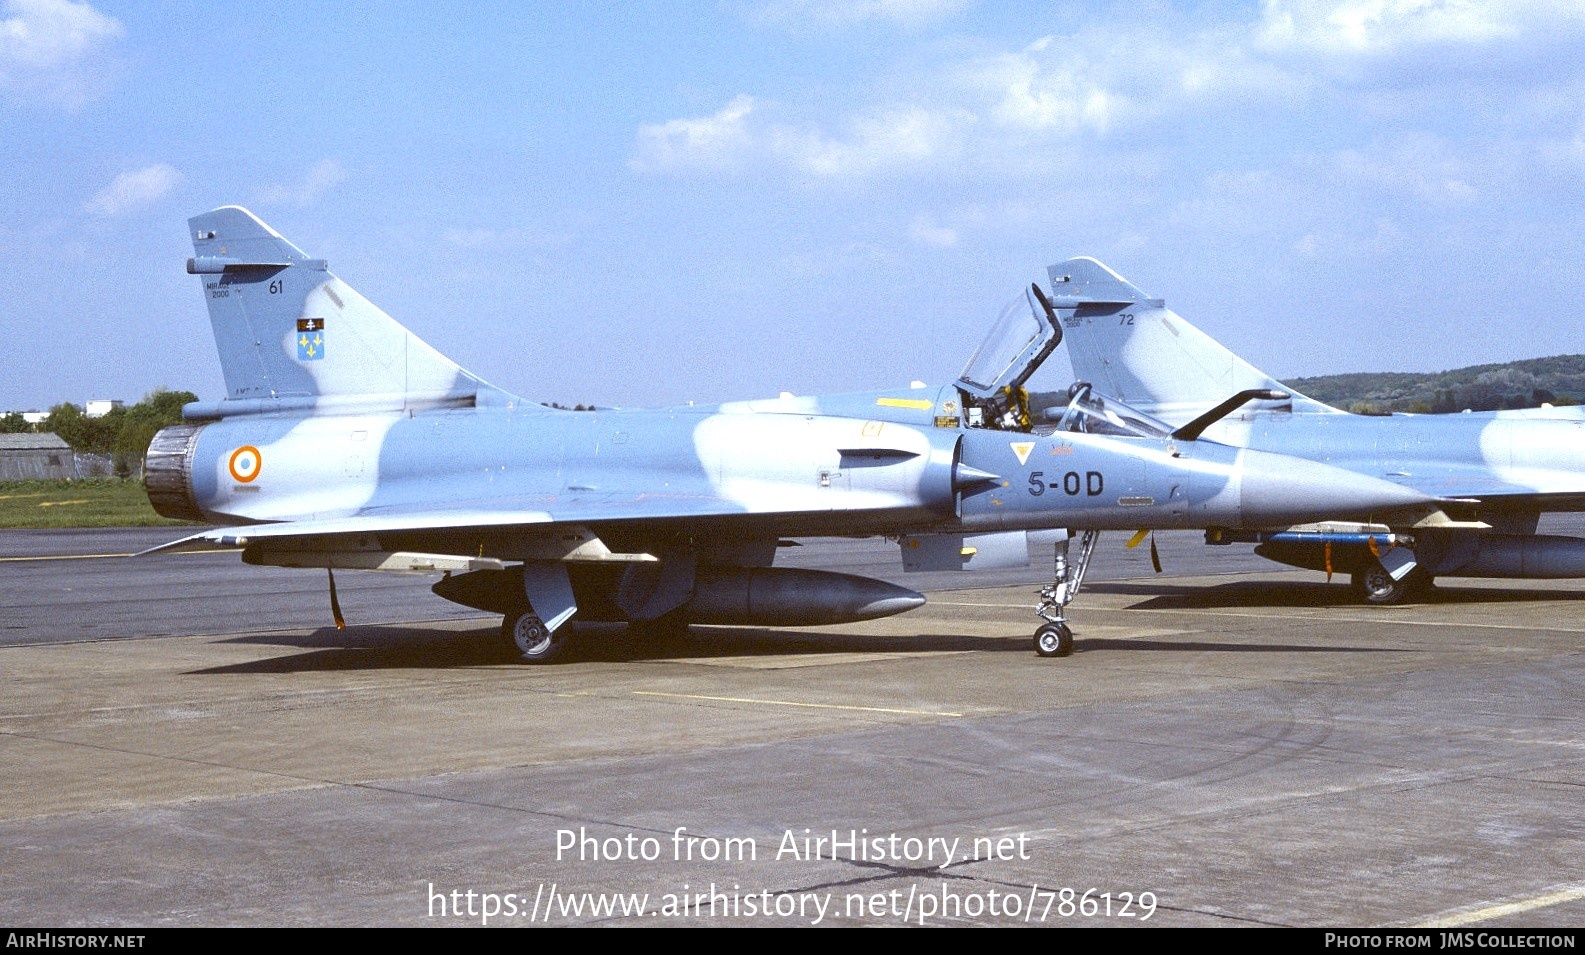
{"x": 1054, "y": 638}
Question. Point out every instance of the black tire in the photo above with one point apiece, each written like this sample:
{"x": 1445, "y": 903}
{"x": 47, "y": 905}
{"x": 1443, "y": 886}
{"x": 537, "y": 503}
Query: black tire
{"x": 1054, "y": 640}
{"x": 528, "y": 636}
{"x": 1377, "y": 587}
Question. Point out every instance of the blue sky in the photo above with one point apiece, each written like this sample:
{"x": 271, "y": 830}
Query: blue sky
{"x": 644, "y": 203}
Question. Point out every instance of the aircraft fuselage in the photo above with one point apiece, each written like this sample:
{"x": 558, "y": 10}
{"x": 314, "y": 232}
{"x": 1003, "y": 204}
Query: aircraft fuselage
{"x": 753, "y": 472}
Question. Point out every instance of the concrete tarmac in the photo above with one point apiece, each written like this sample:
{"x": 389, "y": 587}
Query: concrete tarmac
{"x": 1228, "y": 749}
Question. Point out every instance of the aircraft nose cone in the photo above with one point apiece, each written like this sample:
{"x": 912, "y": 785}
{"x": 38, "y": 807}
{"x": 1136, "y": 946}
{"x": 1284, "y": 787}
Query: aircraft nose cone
{"x": 1276, "y": 489}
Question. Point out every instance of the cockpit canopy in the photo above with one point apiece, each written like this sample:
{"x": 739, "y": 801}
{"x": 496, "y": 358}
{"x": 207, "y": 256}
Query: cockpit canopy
{"x": 1092, "y": 413}
{"x": 1024, "y": 336}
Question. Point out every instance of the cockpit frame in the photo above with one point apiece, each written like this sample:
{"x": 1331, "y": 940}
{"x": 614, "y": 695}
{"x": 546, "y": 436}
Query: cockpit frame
{"x": 992, "y": 383}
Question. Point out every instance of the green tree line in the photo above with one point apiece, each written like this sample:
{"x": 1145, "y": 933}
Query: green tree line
{"x": 123, "y": 433}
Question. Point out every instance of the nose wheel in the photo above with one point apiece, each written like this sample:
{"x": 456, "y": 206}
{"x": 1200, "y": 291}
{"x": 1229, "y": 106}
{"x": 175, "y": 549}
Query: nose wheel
{"x": 1054, "y": 640}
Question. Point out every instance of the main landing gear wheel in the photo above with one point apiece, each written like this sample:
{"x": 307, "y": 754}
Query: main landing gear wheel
{"x": 1054, "y": 640}
{"x": 1377, "y": 587}
{"x": 528, "y": 635}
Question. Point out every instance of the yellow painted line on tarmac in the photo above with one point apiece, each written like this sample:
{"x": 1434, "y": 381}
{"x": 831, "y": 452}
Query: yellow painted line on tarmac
{"x": 12, "y": 560}
{"x": 9, "y": 560}
{"x": 816, "y": 706}
{"x": 1470, "y": 916}
{"x": 1388, "y": 616}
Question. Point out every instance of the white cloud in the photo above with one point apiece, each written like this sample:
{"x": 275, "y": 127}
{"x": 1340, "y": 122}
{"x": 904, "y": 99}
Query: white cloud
{"x": 709, "y": 142}
{"x": 325, "y": 175}
{"x": 904, "y": 137}
{"x": 1014, "y": 110}
{"x": 737, "y": 135}
{"x": 1101, "y": 80}
{"x": 1178, "y": 86}
{"x": 1059, "y": 92}
{"x": 800, "y": 15}
{"x": 1377, "y": 26}
{"x": 133, "y": 190}
{"x": 50, "y": 47}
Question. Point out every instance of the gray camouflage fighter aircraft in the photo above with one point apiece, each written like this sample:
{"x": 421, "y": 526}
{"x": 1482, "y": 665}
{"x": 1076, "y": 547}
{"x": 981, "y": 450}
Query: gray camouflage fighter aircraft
{"x": 1495, "y": 472}
{"x": 346, "y": 442}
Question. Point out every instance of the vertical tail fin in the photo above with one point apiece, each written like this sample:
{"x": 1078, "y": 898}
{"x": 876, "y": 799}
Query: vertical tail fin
{"x": 293, "y": 336}
{"x": 1139, "y": 350}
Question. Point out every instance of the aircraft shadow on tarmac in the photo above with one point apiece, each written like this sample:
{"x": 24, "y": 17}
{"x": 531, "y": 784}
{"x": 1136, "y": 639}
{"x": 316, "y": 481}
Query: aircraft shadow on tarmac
{"x": 400, "y": 648}
{"x": 406, "y": 647}
{"x": 377, "y": 647}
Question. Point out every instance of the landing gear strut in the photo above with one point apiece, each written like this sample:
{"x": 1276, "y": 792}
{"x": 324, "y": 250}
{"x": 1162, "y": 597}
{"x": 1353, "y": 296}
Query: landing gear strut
{"x": 1055, "y": 639}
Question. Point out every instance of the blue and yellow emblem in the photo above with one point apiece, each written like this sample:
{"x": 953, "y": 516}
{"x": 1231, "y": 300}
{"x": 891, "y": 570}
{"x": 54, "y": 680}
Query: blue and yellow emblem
{"x": 310, "y": 339}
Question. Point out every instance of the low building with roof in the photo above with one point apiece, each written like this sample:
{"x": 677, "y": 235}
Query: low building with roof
{"x": 30, "y": 457}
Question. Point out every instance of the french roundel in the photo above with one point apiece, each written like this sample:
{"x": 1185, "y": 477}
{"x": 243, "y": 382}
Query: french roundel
{"x": 245, "y": 463}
